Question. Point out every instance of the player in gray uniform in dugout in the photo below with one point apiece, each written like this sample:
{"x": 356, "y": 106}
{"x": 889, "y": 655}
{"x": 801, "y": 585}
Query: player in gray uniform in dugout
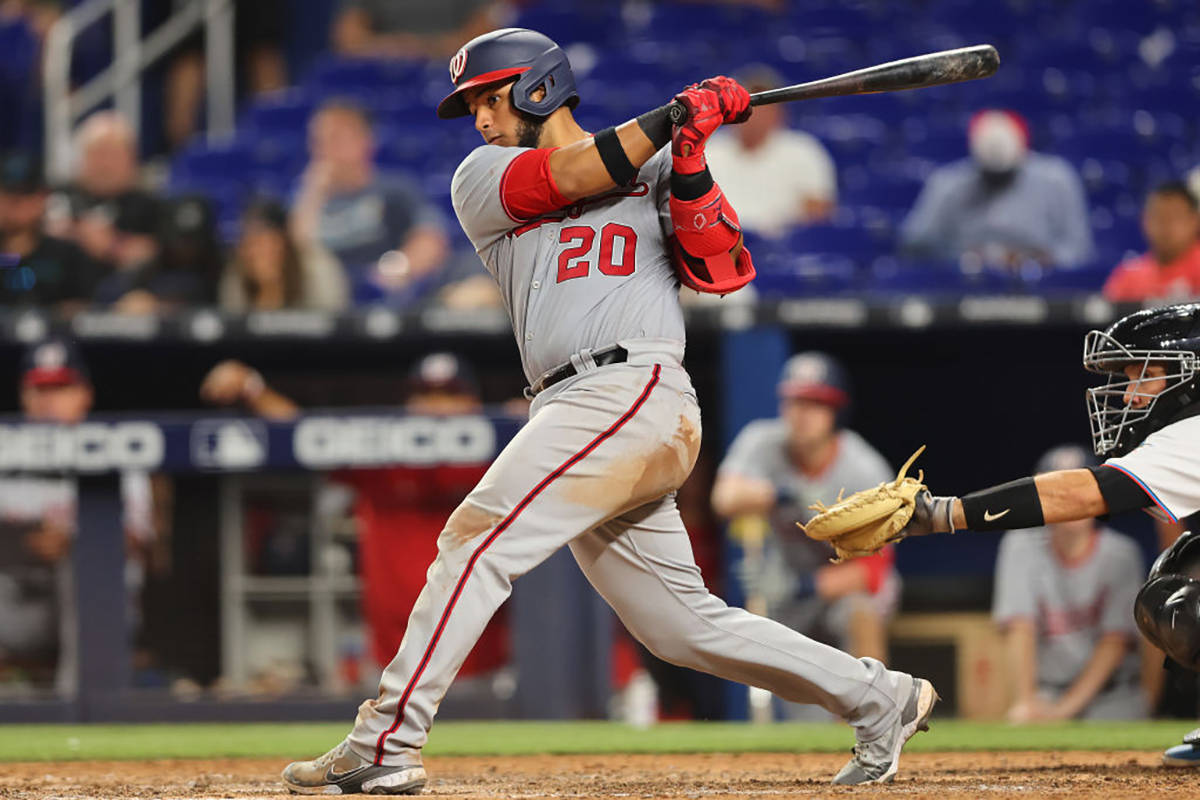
{"x": 1062, "y": 597}
{"x": 589, "y": 237}
{"x": 778, "y": 468}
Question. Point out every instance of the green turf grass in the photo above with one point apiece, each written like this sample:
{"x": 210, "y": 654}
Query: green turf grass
{"x": 74, "y": 742}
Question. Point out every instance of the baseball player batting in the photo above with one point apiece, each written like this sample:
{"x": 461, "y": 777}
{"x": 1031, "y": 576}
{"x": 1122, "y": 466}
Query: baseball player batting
{"x": 589, "y": 238}
{"x": 1146, "y": 421}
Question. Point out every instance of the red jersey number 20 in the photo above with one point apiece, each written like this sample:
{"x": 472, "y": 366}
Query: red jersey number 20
{"x": 616, "y": 257}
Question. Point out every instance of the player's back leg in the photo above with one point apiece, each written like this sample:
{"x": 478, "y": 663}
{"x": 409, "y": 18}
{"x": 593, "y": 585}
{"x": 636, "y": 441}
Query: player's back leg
{"x": 642, "y": 564}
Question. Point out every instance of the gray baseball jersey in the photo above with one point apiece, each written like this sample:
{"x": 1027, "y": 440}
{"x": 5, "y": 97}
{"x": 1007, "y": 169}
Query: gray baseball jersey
{"x": 761, "y": 451}
{"x": 584, "y": 277}
{"x": 1167, "y": 467}
{"x": 1072, "y": 606}
{"x": 596, "y": 468}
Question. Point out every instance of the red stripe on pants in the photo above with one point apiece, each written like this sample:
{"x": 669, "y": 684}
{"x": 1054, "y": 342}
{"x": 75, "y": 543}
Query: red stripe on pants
{"x": 504, "y": 524}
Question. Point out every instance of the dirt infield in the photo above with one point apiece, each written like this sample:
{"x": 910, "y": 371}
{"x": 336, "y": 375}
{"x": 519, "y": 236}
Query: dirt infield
{"x": 1031, "y": 775}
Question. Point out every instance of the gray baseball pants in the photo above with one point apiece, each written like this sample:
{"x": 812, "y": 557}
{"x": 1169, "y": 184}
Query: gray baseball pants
{"x": 596, "y": 468}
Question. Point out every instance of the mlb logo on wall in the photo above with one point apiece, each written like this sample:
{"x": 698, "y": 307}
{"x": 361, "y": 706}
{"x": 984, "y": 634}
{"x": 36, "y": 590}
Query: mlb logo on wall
{"x": 234, "y": 444}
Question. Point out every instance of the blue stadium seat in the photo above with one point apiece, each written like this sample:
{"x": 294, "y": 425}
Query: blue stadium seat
{"x": 859, "y": 244}
{"x": 200, "y": 162}
{"x": 890, "y": 276}
{"x": 1089, "y": 278}
{"x": 1116, "y": 233}
{"x": 570, "y": 21}
{"x": 782, "y": 275}
{"x": 882, "y": 192}
{"x": 282, "y": 112}
{"x": 355, "y": 77}
{"x": 941, "y": 148}
{"x": 18, "y": 49}
{"x": 1104, "y": 145}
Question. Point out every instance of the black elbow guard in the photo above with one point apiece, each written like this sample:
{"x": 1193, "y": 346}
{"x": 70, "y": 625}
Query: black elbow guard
{"x": 1121, "y": 493}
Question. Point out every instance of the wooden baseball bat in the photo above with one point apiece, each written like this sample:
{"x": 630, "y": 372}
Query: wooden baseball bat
{"x": 918, "y": 72}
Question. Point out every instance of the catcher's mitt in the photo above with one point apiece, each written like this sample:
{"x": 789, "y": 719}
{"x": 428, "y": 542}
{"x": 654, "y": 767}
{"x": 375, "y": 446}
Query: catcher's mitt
{"x": 866, "y": 521}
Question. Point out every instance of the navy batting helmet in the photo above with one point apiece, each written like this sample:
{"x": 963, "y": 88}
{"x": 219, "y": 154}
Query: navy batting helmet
{"x": 527, "y": 56}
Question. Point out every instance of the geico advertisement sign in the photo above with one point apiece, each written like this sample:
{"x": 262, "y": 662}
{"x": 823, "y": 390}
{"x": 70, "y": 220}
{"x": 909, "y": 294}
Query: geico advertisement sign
{"x": 351, "y": 441}
{"x": 87, "y": 447}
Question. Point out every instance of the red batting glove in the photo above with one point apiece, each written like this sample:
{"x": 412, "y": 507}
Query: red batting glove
{"x": 708, "y": 104}
{"x": 734, "y": 100}
{"x": 704, "y": 116}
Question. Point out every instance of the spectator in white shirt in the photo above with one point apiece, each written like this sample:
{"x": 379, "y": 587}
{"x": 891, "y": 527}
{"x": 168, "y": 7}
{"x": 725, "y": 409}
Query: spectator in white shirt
{"x": 777, "y": 178}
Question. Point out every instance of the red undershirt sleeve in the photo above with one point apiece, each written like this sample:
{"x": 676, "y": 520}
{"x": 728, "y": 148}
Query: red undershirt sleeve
{"x": 527, "y": 188}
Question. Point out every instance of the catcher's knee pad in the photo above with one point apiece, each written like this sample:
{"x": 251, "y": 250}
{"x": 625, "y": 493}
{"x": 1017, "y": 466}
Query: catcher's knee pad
{"x": 1167, "y": 610}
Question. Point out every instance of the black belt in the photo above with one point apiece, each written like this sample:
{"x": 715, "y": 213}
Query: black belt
{"x": 602, "y": 358}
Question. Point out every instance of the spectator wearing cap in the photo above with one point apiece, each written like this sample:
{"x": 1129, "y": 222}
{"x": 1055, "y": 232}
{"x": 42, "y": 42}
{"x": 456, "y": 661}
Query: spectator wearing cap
{"x": 776, "y": 177}
{"x": 37, "y": 269}
{"x": 1063, "y": 595}
{"x": 189, "y": 265}
{"x": 162, "y": 256}
{"x": 1170, "y": 268}
{"x": 400, "y": 511}
{"x": 37, "y": 524}
{"x": 1005, "y": 205}
{"x": 413, "y": 29}
{"x": 774, "y": 470}
{"x": 390, "y": 239}
{"x": 270, "y": 270}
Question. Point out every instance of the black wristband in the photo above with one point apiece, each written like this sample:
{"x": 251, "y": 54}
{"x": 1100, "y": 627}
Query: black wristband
{"x": 656, "y": 125}
{"x": 1121, "y": 493}
{"x": 691, "y": 187}
{"x": 1006, "y": 507}
{"x": 619, "y": 167}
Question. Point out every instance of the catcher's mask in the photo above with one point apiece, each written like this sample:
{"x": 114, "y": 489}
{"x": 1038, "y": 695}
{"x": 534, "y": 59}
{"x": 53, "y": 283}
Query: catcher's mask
{"x": 1168, "y": 337}
{"x": 512, "y": 54}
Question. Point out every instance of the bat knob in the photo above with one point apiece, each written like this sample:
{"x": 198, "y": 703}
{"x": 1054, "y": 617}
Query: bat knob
{"x": 677, "y": 112}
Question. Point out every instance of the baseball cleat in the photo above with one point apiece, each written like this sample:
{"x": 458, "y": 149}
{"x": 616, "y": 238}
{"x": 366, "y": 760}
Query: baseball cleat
{"x": 342, "y": 771}
{"x": 878, "y": 760}
{"x": 1186, "y": 754}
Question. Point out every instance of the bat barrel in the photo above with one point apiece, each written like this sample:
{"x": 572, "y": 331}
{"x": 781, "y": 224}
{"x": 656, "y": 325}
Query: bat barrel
{"x": 932, "y": 69}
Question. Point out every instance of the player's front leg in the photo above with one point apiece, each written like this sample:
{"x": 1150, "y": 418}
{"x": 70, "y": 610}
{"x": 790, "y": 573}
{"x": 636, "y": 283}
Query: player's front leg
{"x": 582, "y": 458}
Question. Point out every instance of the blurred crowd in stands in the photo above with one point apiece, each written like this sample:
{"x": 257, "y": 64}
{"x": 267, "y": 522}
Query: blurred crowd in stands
{"x": 334, "y": 192}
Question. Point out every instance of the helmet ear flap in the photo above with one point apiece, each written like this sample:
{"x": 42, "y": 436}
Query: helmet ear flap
{"x": 552, "y": 71}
